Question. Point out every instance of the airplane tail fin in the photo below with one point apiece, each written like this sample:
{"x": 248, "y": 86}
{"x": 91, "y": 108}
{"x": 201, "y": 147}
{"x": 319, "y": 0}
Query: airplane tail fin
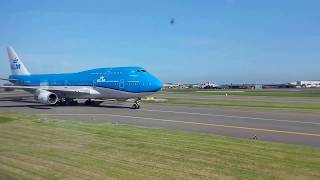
{"x": 16, "y": 65}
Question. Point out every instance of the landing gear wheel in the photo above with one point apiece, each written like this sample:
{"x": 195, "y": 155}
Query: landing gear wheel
{"x": 92, "y": 103}
{"x": 74, "y": 103}
{"x": 67, "y": 102}
{"x": 61, "y": 102}
{"x": 88, "y": 102}
{"x": 136, "y": 104}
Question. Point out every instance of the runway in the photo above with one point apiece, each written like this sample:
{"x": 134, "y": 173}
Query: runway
{"x": 284, "y": 127}
{"x": 242, "y": 98}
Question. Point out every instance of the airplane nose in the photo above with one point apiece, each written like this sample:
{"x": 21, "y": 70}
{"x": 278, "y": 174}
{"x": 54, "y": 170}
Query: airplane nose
{"x": 156, "y": 85}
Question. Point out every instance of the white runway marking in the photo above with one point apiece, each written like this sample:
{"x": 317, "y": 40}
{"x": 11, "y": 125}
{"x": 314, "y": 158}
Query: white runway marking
{"x": 235, "y": 117}
{"x": 194, "y": 123}
{"x": 220, "y": 91}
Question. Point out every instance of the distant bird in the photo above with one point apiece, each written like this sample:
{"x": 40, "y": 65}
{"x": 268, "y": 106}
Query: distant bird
{"x": 172, "y": 21}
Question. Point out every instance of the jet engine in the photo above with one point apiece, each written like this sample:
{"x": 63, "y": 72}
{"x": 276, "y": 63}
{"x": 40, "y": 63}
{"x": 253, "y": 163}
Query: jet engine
{"x": 46, "y": 97}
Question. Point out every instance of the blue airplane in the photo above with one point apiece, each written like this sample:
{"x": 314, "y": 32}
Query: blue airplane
{"x": 117, "y": 83}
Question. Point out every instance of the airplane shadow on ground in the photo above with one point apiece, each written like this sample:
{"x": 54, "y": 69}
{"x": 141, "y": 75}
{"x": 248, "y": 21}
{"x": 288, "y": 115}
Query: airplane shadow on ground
{"x": 28, "y": 106}
{"x": 18, "y": 100}
{"x": 51, "y": 107}
{"x": 43, "y": 106}
{"x": 111, "y": 106}
{"x": 22, "y": 99}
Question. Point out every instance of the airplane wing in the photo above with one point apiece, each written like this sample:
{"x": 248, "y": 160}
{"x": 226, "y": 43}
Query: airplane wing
{"x": 5, "y": 79}
{"x": 60, "y": 91}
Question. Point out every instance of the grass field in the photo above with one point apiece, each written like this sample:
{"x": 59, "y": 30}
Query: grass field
{"x": 40, "y": 148}
{"x": 306, "y": 94}
{"x": 243, "y": 104}
{"x": 277, "y": 105}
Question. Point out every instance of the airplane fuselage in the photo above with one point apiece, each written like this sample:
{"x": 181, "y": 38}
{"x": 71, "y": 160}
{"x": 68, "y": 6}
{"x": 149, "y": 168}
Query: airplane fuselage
{"x": 117, "y": 83}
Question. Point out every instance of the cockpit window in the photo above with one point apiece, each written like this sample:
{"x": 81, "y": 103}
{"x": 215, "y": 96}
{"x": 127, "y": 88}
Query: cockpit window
{"x": 141, "y": 70}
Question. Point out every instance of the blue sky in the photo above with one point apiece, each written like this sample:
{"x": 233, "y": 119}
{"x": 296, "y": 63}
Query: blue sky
{"x": 224, "y": 41}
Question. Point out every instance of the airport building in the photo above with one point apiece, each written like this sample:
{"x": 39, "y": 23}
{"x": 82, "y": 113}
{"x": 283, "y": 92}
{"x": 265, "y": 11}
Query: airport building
{"x": 309, "y": 84}
{"x": 209, "y": 85}
{"x": 170, "y": 85}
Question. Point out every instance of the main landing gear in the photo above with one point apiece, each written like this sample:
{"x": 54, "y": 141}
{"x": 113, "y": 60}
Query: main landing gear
{"x": 136, "y": 104}
{"x": 67, "y": 101}
{"x": 89, "y": 102}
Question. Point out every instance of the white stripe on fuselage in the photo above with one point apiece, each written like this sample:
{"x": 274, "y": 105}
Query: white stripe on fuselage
{"x": 90, "y": 92}
{"x": 118, "y": 94}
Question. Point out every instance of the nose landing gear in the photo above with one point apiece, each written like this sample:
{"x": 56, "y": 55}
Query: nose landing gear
{"x": 136, "y": 104}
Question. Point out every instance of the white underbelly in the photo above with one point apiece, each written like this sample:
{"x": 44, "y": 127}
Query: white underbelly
{"x": 106, "y": 93}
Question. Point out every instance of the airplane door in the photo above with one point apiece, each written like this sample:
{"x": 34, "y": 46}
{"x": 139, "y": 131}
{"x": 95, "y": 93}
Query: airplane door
{"x": 121, "y": 84}
{"x": 94, "y": 83}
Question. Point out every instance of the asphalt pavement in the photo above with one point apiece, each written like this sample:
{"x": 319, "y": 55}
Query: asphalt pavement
{"x": 283, "y": 127}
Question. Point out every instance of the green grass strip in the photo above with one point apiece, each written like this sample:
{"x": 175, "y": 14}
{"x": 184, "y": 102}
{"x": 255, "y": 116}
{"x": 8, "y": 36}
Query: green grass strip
{"x": 43, "y": 148}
